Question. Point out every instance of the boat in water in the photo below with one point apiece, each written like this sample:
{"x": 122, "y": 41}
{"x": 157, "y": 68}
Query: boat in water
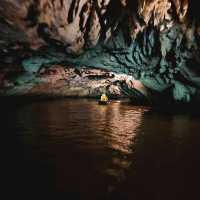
{"x": 103, "y": 102}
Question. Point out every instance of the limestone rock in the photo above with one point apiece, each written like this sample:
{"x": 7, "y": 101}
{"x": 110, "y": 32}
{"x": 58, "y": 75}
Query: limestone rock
{"x": 69, "y": 81}
{"x": 77, "y": 24}
{"x": 154, "y": 41}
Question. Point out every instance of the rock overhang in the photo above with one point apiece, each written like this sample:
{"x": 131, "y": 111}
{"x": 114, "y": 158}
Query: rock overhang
{"x": 156, "y": 42}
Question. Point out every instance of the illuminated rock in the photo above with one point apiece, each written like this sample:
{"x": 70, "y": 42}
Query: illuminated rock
{"x": 155, "y": 41}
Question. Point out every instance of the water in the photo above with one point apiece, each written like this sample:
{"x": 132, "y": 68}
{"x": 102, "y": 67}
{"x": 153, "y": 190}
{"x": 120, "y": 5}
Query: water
{"x": 77, "y": 149}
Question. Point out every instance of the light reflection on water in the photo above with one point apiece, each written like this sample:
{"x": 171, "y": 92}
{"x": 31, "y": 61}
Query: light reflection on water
{"x": 80, "y": 149}
{"x": 84, "y": 122}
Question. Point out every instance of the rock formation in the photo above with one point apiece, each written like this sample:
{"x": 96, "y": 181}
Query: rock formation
{"x": 154, "y": 41}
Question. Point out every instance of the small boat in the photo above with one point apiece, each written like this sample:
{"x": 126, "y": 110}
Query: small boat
{"x": 103, "y": 102}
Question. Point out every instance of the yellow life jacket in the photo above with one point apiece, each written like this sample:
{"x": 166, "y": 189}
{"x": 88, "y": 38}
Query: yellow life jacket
{"x": 104, "y": 97}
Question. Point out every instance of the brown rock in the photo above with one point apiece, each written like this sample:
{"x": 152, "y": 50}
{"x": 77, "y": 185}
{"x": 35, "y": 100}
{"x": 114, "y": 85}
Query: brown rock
{"x": 79, "y": 23}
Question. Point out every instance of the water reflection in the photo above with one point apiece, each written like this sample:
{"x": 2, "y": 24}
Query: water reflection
{"x": 83, "y": 144}
{"x": 165, "y": 162}
{"x": 79, "y": 149}
{"x": 116, "y": 124}
{"x": 113, "y": 126}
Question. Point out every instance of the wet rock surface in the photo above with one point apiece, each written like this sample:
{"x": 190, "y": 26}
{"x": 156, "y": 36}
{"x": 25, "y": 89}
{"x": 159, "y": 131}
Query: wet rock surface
{"x": 154, "y": 41}
{"x": 68, "y": 81}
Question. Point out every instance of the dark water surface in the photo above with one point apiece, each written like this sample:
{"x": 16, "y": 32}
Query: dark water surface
{"x": 79, "y": 150}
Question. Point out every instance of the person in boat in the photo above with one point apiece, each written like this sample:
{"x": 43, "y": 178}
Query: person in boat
{"x": 104, "y": 98}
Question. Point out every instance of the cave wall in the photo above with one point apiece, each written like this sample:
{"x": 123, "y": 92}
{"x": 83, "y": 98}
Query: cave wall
{"x": 155, "y": 41}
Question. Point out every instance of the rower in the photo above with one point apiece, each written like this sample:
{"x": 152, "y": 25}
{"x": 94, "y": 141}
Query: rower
{"x": 104, "y": 97}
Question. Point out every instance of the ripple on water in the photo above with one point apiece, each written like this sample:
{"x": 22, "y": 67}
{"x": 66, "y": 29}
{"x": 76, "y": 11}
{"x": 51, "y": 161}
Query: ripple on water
{"x": 78, "y": 148}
